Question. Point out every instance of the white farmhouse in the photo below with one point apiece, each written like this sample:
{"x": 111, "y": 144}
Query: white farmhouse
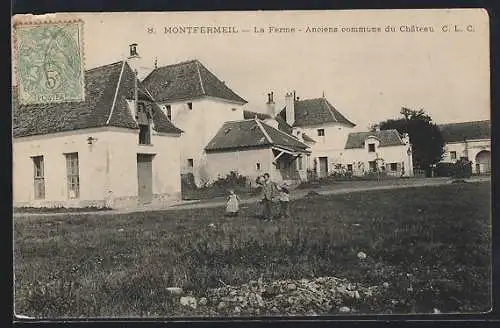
{"x": 196, "y": 101}
{"x": 471, "y": 140}
{"x": 253, "y": 147}
{"x": 336, "y": 146}
{"x": 116, "y": 148}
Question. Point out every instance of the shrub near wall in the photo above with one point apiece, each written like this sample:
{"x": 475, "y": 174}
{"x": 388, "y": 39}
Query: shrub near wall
{"x": 461, "y": 169}
{"x": 219, "y": 188}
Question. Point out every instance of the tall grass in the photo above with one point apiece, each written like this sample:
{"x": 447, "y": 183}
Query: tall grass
{"x": 438, "y": 238}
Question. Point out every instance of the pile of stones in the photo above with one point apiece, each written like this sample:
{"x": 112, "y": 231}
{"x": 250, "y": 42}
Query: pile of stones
{"x": 303, "y": 297}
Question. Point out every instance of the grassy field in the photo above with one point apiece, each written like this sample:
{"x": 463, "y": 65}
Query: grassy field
{"x": 120, "y": 265}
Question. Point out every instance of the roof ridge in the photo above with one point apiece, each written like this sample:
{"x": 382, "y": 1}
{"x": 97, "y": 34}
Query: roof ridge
{"x": 464, "y": 122}
{"x": 116, "y": 93}
{"x": 268, "y": 137}
{"x": 102, "y": 66}
{"x": 184, "y": 62}
{"x": 328, "y": 105}
{"x": 283, "y": 132}
{"x": 243, "y": 120}
{"x": 199, "y": 76}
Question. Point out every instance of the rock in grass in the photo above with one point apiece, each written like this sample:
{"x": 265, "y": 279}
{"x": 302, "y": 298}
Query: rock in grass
{"x": 291, "y": 287}
{"x": 189, "y": 301}
{"x": 174, "y": 290}
{"x": 203, "y": 301}
{"x": 361, "y": 255}
{"x": 221, "y": 306}
{"x": 344, "y": 309}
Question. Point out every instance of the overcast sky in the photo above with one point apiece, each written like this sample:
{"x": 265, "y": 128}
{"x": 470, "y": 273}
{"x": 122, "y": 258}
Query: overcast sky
{"x": 366, "y": 76}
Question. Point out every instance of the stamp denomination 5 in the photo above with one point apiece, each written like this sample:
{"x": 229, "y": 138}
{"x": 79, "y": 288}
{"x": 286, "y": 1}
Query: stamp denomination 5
{"x": 49, "y": 62}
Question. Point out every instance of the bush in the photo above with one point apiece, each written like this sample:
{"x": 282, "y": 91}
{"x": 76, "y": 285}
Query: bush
{"x": 461, "y": 169}
{"x": 218, "y": 188}
{"x": 231, "y": 180}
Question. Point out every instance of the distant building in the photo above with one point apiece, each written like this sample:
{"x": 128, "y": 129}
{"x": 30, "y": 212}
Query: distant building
{"x": 471, "y": 140}
{"x": 336, "y": 147}
{"x": 104, "y": 151}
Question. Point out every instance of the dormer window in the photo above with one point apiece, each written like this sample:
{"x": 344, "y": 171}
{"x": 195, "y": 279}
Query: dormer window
{"x": 144, "y": 121}
{"x": 321, "y": 132}
{"x": 190, "y": 105}
{"x": 168, "y": 109}
{"x": 371, "y": 147}
{"x": 144, "y": 134}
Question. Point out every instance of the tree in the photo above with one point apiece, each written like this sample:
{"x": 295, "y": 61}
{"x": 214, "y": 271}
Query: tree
{"x": 425, "y": 136}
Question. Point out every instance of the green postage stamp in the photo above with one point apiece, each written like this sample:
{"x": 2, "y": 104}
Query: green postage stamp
{"x": 49, "y": 62}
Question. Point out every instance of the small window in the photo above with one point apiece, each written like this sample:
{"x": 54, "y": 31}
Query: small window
{"x": 38, "y": 177}
{"x": 371, "y": 147}
{"x": 144, "y": 135}
{"x": 257, "y": 166}
{"x": 190, "y": 105}
{"x": 321, "y": 132}
{"x": 73, "y": 175}
{"x": 394, "y": 166}
{"x": 299, "y": 163}
{"x": 453, "y": 155}
{"x": 349, "y": 167}
{"x": 233, "y": 109}
{"x": 168, "y": 109}
{"x": 190, "y": 162}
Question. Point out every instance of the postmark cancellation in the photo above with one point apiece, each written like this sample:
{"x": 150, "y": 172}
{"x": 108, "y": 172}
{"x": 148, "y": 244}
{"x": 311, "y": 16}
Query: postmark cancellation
{"x": 48, "y": 61}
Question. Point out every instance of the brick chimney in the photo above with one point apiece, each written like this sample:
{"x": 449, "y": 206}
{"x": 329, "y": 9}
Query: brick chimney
{"x": 290, "y": 108}
{"x": 271, "y": 105}
{"x": 133, "y": 51}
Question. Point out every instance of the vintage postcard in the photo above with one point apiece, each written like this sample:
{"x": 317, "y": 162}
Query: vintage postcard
{"x": 251, "y": 164}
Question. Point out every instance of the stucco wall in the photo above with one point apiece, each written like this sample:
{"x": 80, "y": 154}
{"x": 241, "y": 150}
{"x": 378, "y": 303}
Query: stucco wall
{"x": 165, "y": 166}
{"x": 391, "y": 154}
{"x": 334, "y": 139}
{"x": 469, "y": 149}
{"x": 107, "y": 168}
{"x": 244, "y": 162}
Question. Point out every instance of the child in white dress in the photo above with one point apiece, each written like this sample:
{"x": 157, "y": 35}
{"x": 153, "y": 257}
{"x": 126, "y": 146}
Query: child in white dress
{"x": 233, "y": 204}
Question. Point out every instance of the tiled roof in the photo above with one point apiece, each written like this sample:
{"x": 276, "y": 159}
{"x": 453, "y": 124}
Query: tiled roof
{"x": 283, "y": 125}
{"x": 456, "y": 132}
{"x": 307, "y": 138}
{"x": 386, "y": 137}
{"x": 316, "y": 111}
{"x": 248, "y": 115}
{"x": 252, "y": 133}
{"x": 187, "y": 80}
{"x": 100, "y": 88}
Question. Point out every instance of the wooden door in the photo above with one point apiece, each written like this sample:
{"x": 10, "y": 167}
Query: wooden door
{"x": 145, "y": 177}
{"x": 323, "y": 167}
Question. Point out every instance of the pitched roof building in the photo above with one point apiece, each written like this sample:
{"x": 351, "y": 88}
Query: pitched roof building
{"x": 458, "y": 132}
{"x": 107, "y": 89}
{"x": 186, "y": 81}
{"x": 315, "y": 111}
{"x": 102, "y": 151}
{"x": 253, "y": 133}
{"x": 386, "y": 138}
